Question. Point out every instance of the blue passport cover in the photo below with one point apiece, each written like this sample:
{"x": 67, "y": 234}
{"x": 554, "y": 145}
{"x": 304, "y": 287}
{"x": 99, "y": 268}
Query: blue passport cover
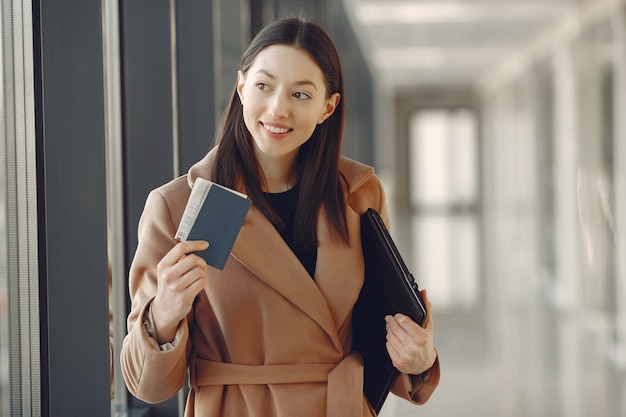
{"x": 218, "y": 222}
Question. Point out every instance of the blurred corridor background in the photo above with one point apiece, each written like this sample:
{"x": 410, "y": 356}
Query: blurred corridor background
{"x": 494, "y": 124}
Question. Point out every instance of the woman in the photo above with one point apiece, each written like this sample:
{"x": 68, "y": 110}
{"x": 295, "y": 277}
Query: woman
{"x": 270, "y": 334}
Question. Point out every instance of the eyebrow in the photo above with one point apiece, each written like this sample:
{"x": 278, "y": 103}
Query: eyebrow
{"x": 273, "y": 77}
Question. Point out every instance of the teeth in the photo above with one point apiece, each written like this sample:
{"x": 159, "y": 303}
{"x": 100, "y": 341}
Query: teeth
{"x": 276, "y": 129}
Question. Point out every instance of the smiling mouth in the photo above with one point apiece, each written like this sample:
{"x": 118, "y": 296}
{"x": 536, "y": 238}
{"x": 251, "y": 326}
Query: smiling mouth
{"x": 274, "y": 129}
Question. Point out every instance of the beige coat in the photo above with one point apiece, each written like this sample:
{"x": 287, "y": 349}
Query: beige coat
{"x": 263, "y": 339}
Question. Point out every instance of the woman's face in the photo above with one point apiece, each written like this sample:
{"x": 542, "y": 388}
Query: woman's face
{"x": 284, "y": 98}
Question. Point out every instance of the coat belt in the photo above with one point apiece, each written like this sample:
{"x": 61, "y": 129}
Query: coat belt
{"x": 345, "y": 379}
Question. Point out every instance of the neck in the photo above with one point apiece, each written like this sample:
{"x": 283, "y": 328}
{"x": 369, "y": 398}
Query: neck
{"x": 279, "y": 174}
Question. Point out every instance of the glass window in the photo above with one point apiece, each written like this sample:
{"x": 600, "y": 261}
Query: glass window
{"x": 444, "y": 193}
{"x": 596, "y": 178}
{"x": 19, "y": 291}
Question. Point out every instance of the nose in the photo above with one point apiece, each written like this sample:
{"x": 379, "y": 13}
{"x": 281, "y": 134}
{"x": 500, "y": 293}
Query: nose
{"x": 278, "y": 105}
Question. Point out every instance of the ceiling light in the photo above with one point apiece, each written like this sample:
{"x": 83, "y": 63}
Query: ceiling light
{"x": 406, "y": 12}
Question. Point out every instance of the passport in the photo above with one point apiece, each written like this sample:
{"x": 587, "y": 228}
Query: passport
{"x": 213, "y": 213}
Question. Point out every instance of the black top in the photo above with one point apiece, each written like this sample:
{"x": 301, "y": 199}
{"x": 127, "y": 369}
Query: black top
{"x": 284, "y": 204}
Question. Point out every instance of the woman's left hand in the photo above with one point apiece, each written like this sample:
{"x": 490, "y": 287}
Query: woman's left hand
{"x": 410, "y": 346}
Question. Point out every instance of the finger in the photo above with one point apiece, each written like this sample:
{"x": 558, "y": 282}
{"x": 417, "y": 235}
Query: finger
{"x": 409, "y": 357}
{"x": 169, "y": 264}
{"x": 407, "y": 337}
{"x": 394, "y": 354}
{"x": 429, "y": 314}
{"x": 181, "y": 249}
{"x": 196, "y": 285}
{"x": 403, "y": 324}
{"x": 186, "y": 271}
{"x": 396, "y": 331}
{"x": 402, "y": 358}
{"x": 392, "y": 340}
{"x": 177, "y": 292}
{"x": 195, "y": 245}
{"x": 195, "y": 269}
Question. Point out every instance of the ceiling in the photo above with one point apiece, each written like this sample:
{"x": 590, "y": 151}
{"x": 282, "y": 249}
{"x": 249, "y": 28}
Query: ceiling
{"x": 447, "y": 44}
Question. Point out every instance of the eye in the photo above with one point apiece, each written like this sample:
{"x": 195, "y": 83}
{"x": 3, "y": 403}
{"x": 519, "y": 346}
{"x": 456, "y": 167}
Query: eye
{"x": 301, "y": 95}
{"x": 262, "y": 86}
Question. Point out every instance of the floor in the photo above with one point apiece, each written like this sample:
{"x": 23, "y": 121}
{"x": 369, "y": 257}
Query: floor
{"x": 520, "y": 361}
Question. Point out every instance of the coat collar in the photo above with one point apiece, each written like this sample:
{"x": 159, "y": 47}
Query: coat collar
{"x": 339, "y": 270}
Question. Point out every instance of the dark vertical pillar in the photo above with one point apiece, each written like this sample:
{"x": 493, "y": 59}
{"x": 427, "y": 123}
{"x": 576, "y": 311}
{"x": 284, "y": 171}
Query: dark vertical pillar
{"x": 147, "y": 101}
{"x": 232, "y": 39}
{"x": 147, "y": 118}
{"x": 256, "y": 16}
{"x": 359, "y": 95}
{"x": 196, "y": 73}
{"x": 72, "y": 207}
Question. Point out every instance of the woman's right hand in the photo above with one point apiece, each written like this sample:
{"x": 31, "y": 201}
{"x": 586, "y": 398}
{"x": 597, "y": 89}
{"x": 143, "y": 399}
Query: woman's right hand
{"x": 181, "y": 275}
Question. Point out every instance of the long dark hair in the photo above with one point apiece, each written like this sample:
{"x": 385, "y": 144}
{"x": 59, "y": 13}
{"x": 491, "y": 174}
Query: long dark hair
{"x": 317, "y": 162}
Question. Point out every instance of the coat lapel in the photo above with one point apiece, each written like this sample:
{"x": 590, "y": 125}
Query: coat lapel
{"x": 261, "y": 249}
{"x": 340, "y": 269}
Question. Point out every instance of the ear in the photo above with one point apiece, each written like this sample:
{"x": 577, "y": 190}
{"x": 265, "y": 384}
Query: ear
{"x": 330, "y": 106}
{"x": 241, "y": 80}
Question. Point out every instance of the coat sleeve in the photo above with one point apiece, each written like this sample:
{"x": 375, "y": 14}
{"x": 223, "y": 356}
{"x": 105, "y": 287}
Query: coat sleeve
{"x": 152, "y": 375}
{"x": 417, "y": 388}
